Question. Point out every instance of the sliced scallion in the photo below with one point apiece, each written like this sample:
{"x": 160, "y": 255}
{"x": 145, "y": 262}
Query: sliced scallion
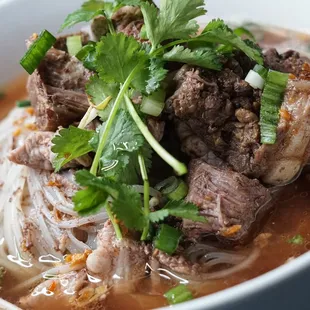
{"x": 37, "y": 51}
{"x": 74, "y": 45}
{"x": 180, "y": 192}
{"x": 271, "y": 101}
{"x": 262, "y": 71}
{"x": 23, "y": 103}
{"x": 173, "y": 188}
{"x": 255, "y": 80}
{"x": 178, "y": 294}
{"x": 153, "y": 104}
{"x": 167, "y": 239}
{"x": 88, "y": 56}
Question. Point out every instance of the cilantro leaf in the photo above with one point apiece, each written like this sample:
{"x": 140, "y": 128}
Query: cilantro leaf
{"x": 89, "y": 201}
{"x": 128, "y": 208}
{"x": 117, "y": 56}
{"x": 181, "y": 209}
{"x": 205, "y": 58}
{"x": 185, "y": 210}
{"x": 174, "y": 21}
{"x": 87, "y": 12}
{"x": 119, "y": 160}
{"x": 126, "y": 203}
{"x": 298, "y": 239}
{"x": 98, "y": 91}
{"x": 69, "y": 144}
{"x": 158, "y": 216}
{"x": 157, "y": 75}
{"x": 219, "y": 33}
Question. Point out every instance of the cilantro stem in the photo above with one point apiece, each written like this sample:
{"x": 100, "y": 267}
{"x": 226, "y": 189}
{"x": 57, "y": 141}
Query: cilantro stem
{"x": 157, "y": 51}
{"x": 110, "y": 26}
{"x": 109, "y": 123}
{"x": 179, "y": 167}
{"x": 146, "y": 196}
{"x": 112, "y": 219}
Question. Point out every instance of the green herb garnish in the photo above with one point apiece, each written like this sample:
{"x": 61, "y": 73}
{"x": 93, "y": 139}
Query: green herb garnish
{"x": 23, "y": 103}
{"x": 178, "y": 294}
{"x": 298, "y": 239}
{"x": 167, "y": 239}
{"x": 37, "y": 51}
{"x": 69, "y": 144}
{"x": 181, "y": 209}
{"x": 271, "y": 101}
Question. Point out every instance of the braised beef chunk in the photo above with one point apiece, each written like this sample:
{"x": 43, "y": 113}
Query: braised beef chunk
{"x": 229, "y": 200}
{"x": 128, "y": 20}
{"x": 288, "y": 62}
{"x": 221, "y": 111}
{"x": 57, "y": 90}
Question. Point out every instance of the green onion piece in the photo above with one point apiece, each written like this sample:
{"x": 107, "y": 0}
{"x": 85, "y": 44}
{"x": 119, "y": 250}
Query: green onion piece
{"x": 168, "y": 185}
{"x": 262, "y": 71}
{"x": 167, "y": 239}
{"x": 37, "y": 51}
{"x": 74, "y": 45}
{"x": 271, "y": 101}
{"x": 180, "y": 192}
{"x": 178, "y": 294}
{"x": 298, "y": 239}
{"x": 153, "y": 104}
{"x": 88, "y": 56}
{"x": 173, "y": 188}
{"x": 243, "y": 32}
{"x": 23, "y": 103}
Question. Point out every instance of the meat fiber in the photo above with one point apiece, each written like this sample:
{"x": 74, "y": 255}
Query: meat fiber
{"x": 230, "y": 201}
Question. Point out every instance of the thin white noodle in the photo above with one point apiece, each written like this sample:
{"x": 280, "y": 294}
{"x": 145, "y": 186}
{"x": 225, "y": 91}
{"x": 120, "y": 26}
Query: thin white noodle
{"x": 78, "y": 245}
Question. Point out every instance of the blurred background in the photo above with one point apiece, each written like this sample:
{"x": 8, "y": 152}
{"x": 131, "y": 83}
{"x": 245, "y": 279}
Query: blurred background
{"x": 20, "y": 18}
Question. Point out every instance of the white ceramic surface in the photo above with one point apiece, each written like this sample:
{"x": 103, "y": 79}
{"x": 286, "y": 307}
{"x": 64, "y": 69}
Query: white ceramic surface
{"x": 20, "y": 18}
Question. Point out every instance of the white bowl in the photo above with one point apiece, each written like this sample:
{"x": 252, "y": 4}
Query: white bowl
{"x": 283, "y": 288}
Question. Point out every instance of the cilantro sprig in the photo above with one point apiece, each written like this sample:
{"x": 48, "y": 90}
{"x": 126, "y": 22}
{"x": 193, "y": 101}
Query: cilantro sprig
{"x": 122, "y": 145}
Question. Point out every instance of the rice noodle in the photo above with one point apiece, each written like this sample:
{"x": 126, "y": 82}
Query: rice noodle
{"x": 78, "y": 246}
